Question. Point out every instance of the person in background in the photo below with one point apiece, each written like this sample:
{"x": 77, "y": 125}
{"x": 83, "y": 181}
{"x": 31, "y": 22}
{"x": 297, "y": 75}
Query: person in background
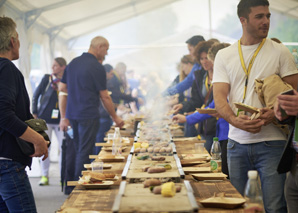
{"x": 222, "y": 126}
{"x": 202, "y": 94}
{"x": 45, "y": 106}
{"x": 187, "y": 82}
{"x": 15, "y": 189}
{"x": 185, "y": 67}
{"x": 289, "y": 159}
{"x": 118, "y": 86}
{"x": 253, "y": 144}
{"x": 82, "y": 87}
{"x": 105, "y": 121}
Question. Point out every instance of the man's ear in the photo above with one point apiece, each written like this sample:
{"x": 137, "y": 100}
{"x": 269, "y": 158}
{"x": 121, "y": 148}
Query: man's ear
{"x": 242, "y": 20}
{"x": 11, "y": 43}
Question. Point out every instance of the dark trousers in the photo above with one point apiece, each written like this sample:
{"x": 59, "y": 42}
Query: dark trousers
{"x": 104, "y": 126}
{"x": 84, "y": 132}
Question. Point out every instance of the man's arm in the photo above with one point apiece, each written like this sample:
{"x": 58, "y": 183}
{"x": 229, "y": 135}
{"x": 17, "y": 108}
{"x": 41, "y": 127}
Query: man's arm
{"x": 40, "y": 144}
{"x": 220, "y": 92}
{"x": 64, "y": 122}
{"x": 292, "y": 80}
{"x": 109, "y": 106}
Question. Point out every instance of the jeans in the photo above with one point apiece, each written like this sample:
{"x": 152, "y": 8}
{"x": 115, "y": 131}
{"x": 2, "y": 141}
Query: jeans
{"x": 263, "y": 157}
{"x": 209, "y": 141}
{"x": 292, "y": 189}
{"x": 84, "y": 132}
{"x": 104, "y": 126}
{"x": 15, "y": 189}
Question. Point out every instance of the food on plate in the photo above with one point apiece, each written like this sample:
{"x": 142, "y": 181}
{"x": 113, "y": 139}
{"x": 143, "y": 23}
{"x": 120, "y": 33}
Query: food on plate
{"x": 143, "y": 150}
{"x": 156, "y": 169}
{"x": 157, "y": 189}
{"x": 151, "y": 182}
{"x": 169, "y": 149}
{"x": 162, "y": 150}
{"x": 109, "y": 175}
{"x": 137, "y": 150}
{"x": 150, "y": 149}
{"x": 143, "y": 157}
{"x": 144, "y": 145}
{"x": 145, "y": 168}
{"x": 158, "y": 158}
{"x": 166, "y": 166}
{"x": 92, "y": 177}
{"x": 156, "y": 149}
{"x": 168, "y": 189}
{"x": 137, "y": 145}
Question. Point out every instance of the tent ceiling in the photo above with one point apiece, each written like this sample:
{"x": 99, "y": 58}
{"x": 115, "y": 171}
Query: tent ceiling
{"x": 69, "y": 19}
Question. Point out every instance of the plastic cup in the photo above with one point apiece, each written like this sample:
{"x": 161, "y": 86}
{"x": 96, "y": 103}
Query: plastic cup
{"x": 199, "y": 148}
{"x": 97, "y": 166}
{"x": 110, "y": 138}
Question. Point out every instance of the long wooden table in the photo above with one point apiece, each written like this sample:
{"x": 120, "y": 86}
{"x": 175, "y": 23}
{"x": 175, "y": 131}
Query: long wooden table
{"x": 101, "y": 200}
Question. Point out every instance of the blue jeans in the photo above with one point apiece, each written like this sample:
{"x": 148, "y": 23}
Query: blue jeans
{"x": 84, "y": 132}
{"x": 15, "y": 189}
{"x": 263, "y": 157}
{"x": 104, "y": 126}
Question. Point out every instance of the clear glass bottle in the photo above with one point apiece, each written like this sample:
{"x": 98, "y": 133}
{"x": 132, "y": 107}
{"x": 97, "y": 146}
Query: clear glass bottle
{"x": 215, "y": 156}
{"x": 117, "y": 150}
{"x": 253, "y": 193}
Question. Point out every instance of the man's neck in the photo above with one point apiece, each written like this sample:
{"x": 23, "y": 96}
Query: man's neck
{"x": 7, "y": 55}
{"x": 248, "y": 40}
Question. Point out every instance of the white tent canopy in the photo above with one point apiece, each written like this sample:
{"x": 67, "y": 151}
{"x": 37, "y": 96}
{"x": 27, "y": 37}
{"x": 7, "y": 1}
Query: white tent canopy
{"x": 57, "y": 24}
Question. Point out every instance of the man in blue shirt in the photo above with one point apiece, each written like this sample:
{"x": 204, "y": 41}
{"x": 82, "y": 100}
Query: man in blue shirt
{"x": 82, "y": 87}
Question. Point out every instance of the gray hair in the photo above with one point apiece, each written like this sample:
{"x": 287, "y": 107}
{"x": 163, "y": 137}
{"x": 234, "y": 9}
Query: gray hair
{"x": 98, "y": 40}
{"x": 7, "y": 31}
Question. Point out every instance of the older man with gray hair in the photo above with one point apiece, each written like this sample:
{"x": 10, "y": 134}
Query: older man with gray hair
{"x": 82, "y": 87}
{"x": 15, "y": 189}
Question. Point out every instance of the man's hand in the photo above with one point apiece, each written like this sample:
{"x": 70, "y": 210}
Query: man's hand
{"x": 243, "y": 122}
{"x": 64, "y": 124}
{"x": 267, "y": 115}
{"x": 119, "y": 122}
{"x": 176, "y": 108}
{"x": 289, "y": 103}
{"x": 179, "y": 118}
{"x": 41, "y": 149}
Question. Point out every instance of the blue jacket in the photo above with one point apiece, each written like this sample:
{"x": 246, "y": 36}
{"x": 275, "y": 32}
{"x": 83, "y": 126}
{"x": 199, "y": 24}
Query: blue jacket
{"x": 185, "y": 84}
{"x": 222, "y": 126}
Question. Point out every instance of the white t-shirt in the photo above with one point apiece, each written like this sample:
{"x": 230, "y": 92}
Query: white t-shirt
{"x": 273, "y": 58}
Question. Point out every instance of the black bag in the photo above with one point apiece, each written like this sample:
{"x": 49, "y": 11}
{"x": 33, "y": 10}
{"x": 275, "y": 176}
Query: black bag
{"x": 38, "y": 125}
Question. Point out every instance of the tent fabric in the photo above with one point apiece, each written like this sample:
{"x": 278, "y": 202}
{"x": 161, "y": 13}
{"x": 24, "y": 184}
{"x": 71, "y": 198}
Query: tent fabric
{"x": 55, "y": 24}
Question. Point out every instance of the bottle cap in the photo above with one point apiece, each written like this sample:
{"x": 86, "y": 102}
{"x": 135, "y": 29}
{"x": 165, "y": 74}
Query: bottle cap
{"x": 215, "y": 139}
{"x": 252, "y": 174}
{"x": 117, "y": 128}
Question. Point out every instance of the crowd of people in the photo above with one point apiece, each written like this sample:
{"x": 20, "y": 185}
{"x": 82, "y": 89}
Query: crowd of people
{"x": 88, "y": 96}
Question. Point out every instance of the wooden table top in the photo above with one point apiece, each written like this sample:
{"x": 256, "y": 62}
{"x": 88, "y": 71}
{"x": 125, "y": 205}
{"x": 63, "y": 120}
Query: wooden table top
{"x": 101, "y": 200}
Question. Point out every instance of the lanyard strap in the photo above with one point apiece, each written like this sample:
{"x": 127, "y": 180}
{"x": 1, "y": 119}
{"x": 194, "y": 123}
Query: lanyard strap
{"x": 247, "y": 71}
{"x": 206, "y": 83}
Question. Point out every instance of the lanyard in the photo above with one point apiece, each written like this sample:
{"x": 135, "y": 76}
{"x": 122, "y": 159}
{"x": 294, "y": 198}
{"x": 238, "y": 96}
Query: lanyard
{"x": 247, "y": 71}
{"x": 206, "y": 83}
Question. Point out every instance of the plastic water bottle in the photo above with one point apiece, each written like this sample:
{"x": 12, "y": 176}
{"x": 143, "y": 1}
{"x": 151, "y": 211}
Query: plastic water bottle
{"x": 253, "y": 193}
{"x": 215, "y": 156}
{"x": 116, "y": 149}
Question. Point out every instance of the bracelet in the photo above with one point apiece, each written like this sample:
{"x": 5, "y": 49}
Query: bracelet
{"x": 63, "y": 119}
{"x": 63, "y": 93}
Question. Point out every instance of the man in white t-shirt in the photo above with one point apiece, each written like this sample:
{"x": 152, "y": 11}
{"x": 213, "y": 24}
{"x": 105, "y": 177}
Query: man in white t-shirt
{"x": 253, "y": 144}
